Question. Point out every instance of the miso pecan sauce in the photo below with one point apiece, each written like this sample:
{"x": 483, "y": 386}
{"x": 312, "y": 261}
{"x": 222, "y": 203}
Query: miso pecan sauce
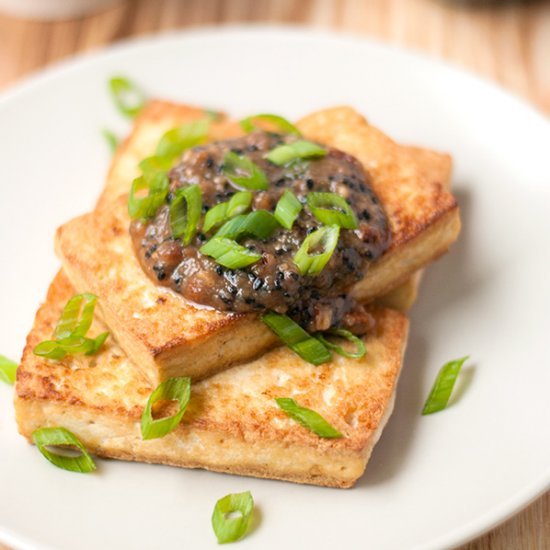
{"x": 273, "y": 283}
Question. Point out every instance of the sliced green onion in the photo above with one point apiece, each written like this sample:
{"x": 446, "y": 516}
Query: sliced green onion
{"x": 286, "y": 127}
{"x": 77, "y": 316}
{"x": 297, "y": 339}
{"x": 443, "y": 386}
{"x": 332, "y": 209}
{"x": 8, "y": 368}
{"x": 151, "y": 165}
{"x": 63, "y": 449}
{"x": 173, "y": 389}
{"x": 74, "y": 344}
{"x": 111, "y": 139}
{"x": 301, "y": 149}
{"x": 177, "y": 140}
{"x": 308, "y": 261}
{"x": 242, "y": 172}
{"x": 238, "y": 204}
{"x": 185, "y": 212}
{"x": 231, "y": 516}
{"x": 228, "y": 253}
{"x": 127, "y": 96}
{"x": 157, "y": 185}
{"x": 308, "y": 418}
{"x": 287, "y": 209}
{"x": 343, "y": 333}
{"x": 259, "y": 224}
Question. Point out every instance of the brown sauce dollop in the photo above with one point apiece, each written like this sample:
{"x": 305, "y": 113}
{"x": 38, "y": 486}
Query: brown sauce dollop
{"x": 273, "y": 283}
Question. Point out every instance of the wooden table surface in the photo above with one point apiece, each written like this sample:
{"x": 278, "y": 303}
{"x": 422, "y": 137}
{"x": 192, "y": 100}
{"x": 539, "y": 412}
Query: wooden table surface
{"x": 508, "y": 42}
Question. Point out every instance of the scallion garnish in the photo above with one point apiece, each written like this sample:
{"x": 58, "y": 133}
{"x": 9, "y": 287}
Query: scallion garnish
{"x": 8, "y": 368}
{"x": 307, "y": 259}
{"x": 287, "y": 209}
{"x": 443, "y": 386}
{"x": 332, "y": 209}
{"x": 239, "y": 203}
{"x": 296, "y": 338}
{"x": 185, "y": 212}
{"x": 157, "y": 185}
{"x": 231, "y": 516}
{"x": 282, "y": 124}
{"x": 111, "y": 139}
{"x": 127, "y": 96}
{"x": 242, "y": 172}
{"x": 343, "y": 333}
{"x": 173, "y": 389}
{"x": 177, "y": 140}
{"x": 229, "y": 253}
{"x": 69, "y": 337}
{"x": 151, "y": 165}
{"x": 63, "y": 449}
{"x": 259, "y": 224}
{"x": 308, "y": 418}
{"x": 300, "y": 149}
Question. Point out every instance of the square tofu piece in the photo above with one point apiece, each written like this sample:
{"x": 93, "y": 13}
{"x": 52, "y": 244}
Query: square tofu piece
{"x": 232, "y": 423}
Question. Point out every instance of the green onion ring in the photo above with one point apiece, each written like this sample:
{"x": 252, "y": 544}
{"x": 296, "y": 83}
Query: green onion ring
{"x": 173, "y": 389}
{"x": 287, "y": 209}
{"x": 297, "y": 339}
{"x": 443, "y": 386}
{"x": 157, "y": 185}
{"x": 63, "y": 439}
{"x": 242, "y": 172}
{"x": 286, "y": 127}
{"x": 185, "y": 212}
{"x": 260, "y": 224}
{"x": 313, "y": 264}
{"x": 239, "y": 203}
{"x": 308, "y": 418}
{"x": 227, "y": 528}
{"x": 177, "y": 140}
{"x": 343, "y": 333}
{"x": 8, "y": 370}
{"x": 332, "y": 209}
{"x": 77, "y": 316}
{"x": 300, "y": 149}
{"x": 128, "y": 98}
{"x": 111, "y": 139}
{"x": 229, "y": 253}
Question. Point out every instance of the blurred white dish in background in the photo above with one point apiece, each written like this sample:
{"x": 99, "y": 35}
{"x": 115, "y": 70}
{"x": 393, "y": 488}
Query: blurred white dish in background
{"x": 52, "y": 9}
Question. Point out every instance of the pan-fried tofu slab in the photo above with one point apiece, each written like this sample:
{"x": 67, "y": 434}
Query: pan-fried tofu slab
{"x": 167, "y": 336}
{"x": 232, "y": 423}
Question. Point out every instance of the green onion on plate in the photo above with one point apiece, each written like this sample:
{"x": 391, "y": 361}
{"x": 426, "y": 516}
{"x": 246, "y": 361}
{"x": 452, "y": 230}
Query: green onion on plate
{"x": 231, "y": 516}
{"x": 63, "y": 449}
{"x": 128, "y": 97}
{"x": 177, "y": 140}
{"x": 259, "y": 224}
{"x": 173, "y": 389}
{"x": 297, "y": 339}
{"x": 443, "y": 386}
{"x": 308, "y": 418}
{"x": 111, "y": 139}
{"x": 8, "y": 369}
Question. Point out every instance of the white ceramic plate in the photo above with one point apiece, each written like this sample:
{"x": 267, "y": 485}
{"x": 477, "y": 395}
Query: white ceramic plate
{"x": 433, "y": 482}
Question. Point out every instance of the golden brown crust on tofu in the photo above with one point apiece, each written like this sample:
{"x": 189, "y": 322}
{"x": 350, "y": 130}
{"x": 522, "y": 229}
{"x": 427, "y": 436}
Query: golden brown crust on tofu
{"x": 423, "y": 216}
{"x": 163, "y": 333}
{"x": 232, "y": 423}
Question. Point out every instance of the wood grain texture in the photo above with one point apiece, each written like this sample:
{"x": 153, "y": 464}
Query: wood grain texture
{"x": 508, "y": 42}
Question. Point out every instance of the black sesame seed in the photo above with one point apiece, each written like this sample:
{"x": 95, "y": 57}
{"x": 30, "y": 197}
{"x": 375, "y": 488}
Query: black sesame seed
{"x": 258, "y": 283}
{"x": 201, "y": 237}
{"x": 249, "y": 300}
{"x": 310, "y": 183}
{"x": 315, "y": 294}
{"x": 280, "y": 182}
{"x": 279, "y": 251}
{"x": 366, "y": 214}
{"x": 209, "y": 162}
{"x": 219, "y": 270}
{"x": 252, "y": 148}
